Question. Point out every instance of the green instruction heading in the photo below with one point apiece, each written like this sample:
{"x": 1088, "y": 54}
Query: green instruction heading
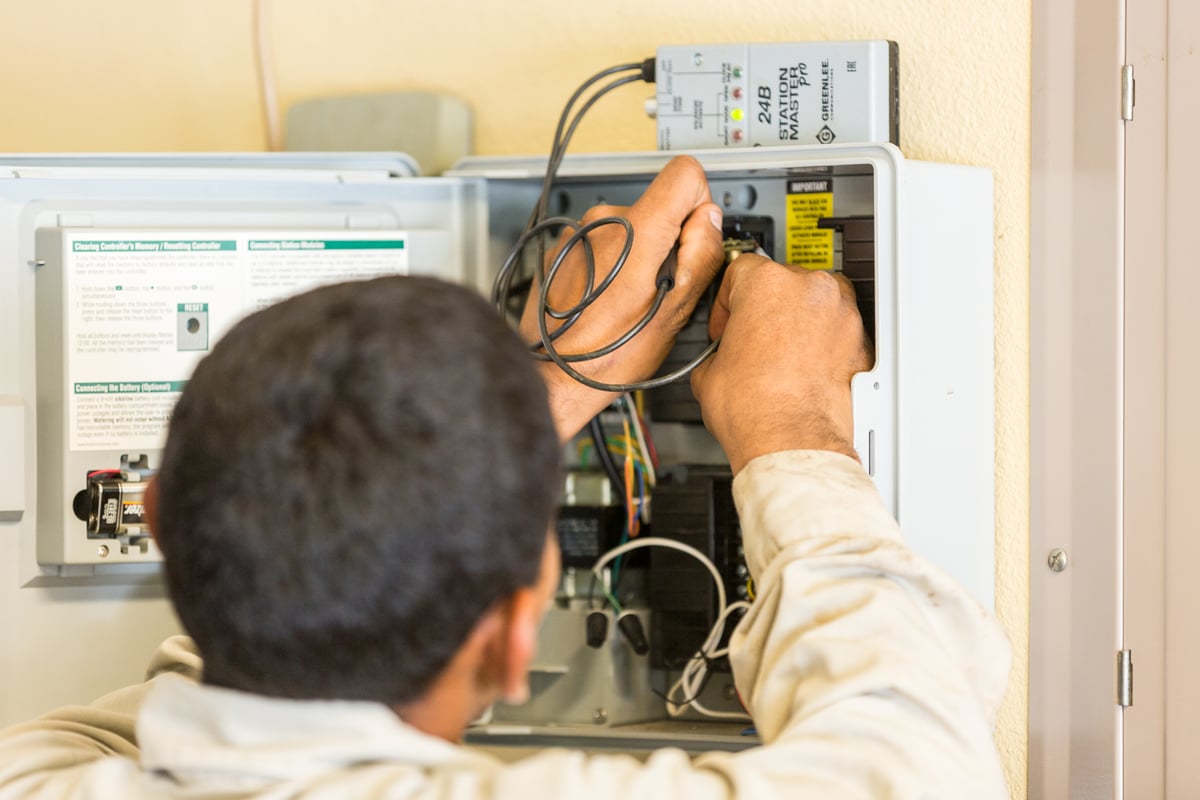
{"x": 154, "y": 246}
{"x": 121, "y": 387}
{"x": 326, "y": 244}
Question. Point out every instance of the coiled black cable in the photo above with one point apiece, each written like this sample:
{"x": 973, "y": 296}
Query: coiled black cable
{"x": 539, "y": 226}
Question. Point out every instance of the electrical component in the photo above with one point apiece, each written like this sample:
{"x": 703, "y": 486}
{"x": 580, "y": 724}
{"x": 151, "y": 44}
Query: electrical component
{"x": 744, "y": 233}
{"x": 693, "y": 505}
{"x": 684, "y": 693}
{"x": 752, "y": 95}
{"x": 856, "y": 249}
{"x": 584, "y": 532}
{"x": 921, "y": 414}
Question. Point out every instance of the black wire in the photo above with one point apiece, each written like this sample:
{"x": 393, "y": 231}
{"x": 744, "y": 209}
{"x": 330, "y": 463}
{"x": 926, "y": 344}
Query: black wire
{"x": 562, "y": 139}
{"x": 539, "y": 224}
{"x": 600, "y": 443}
{"x": 708, "y": 674}
{"x": 591, "y": 293}
{"x": 591, "y": 595}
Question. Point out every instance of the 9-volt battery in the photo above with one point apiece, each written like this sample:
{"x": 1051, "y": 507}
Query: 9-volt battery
{"x": 753, "y": 95}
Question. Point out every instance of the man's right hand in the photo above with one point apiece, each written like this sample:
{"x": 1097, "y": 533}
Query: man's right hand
{"x": 791, "y": 340}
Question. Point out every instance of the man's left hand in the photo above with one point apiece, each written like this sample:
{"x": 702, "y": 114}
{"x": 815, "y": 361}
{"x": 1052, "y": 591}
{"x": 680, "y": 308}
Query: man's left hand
{"x": 675, "y": 208}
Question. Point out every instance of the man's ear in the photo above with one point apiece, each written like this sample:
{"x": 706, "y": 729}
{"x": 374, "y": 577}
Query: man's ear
{"x": 525, "y": 609}
{"x": 150, "y": 502}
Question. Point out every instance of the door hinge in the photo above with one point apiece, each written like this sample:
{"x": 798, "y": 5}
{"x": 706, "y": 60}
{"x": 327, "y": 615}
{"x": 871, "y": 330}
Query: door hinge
{"x": 1125, "y": 678}
{"x": 1127, "y": 92}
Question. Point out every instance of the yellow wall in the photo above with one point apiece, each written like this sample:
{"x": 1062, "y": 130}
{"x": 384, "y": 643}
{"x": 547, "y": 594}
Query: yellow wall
{"x": 179, "y": 75}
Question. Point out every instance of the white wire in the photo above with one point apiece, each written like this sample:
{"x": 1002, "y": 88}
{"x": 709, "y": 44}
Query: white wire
{"x": 694, "y": 673}
{"x": 266, "y": 74}
{"x": 651, "y": 476}
{"x": 658, "y": 541}
{"x": 691, "y": 682}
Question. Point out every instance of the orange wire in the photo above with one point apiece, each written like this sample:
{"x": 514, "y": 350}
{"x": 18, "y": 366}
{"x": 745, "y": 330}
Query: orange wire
{"x": 630, "y": 511}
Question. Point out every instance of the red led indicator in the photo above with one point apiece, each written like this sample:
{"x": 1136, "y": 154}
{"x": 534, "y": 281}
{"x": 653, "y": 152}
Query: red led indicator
{"x": 737, "y": 93}
{"x": 738, "y": 135}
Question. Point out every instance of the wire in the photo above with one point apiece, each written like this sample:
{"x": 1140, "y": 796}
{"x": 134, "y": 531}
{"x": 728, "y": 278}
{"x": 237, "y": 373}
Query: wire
{"x": 687, "y": 700}
{"x": 658, "y": 541}
{"x": 616, "y": 446}
{"x": 596, "y": 430}
{"x": 539, "y": 225}
{"x": 564, "y": 138}
{"x": 639, "y": 431}
{"x": 647, "y": 438}
{"x": 612, "y": 598}
{"x": 696, "y": 673}
{"x": 631, "y": 510}
{"x": 643, "y": 506}
{"x": 95, "y": 472}
{"x": 502, "y": 288}
{"x": 562, "y": 361}
{"x": 608, "y": 595}
{"x": 563, "y": 132}
{"x": 266, "y": 74}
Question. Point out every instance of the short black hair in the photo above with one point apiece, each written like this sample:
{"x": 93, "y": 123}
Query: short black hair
{"x": 351, "y": 479}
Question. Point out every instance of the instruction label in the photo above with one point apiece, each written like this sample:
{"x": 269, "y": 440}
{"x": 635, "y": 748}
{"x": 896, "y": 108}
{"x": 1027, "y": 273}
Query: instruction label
{"x": 809, "y": 199}
{"x": 141, "y": 309}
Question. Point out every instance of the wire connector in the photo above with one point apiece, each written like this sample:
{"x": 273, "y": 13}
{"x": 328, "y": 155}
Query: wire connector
{"x": 597, "y": 629}
{"x": 666, "y": 272}
{"x": 631, "y": 628}
{"x": 649, "y": 69}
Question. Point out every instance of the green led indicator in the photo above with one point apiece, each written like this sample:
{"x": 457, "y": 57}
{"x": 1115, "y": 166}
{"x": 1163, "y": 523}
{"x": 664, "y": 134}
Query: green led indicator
{"x": 736, "y": 115}
{"x": 737, "y": 72}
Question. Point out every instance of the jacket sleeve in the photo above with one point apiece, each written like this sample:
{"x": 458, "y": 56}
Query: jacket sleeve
{"x": 862, "y": 663}
{"x": 54, "y": 749}
{"x": 868, "y": 672}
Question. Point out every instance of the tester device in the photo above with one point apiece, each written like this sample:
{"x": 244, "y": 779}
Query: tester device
{"x": 793, "y": 93}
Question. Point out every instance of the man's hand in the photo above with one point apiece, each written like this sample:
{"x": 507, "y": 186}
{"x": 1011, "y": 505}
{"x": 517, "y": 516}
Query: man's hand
{"x": 791, "y": 339}
{"x": 676, "y": 207}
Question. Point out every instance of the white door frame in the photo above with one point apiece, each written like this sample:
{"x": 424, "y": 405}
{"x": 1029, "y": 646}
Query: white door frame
{"x": 1145, "y": 475}
{"x": 1181, "y": 760}
{"x": 1077, "y": 402}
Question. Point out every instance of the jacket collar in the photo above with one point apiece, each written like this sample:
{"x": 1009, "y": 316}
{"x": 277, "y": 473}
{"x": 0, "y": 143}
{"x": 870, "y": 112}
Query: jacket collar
{"x": 189, "y": 730}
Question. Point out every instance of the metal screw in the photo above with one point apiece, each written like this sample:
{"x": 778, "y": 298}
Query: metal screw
{"x": 698, "y": 59}
{"x": 731, "y": 692}
{"x": 599, "y": 716}
{"x": 102, "y": 551}
{"x": 1057, "y": 560}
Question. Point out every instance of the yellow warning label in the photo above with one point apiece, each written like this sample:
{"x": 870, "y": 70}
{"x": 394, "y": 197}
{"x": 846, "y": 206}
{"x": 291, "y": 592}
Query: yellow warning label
{"x": 807, "y": 245}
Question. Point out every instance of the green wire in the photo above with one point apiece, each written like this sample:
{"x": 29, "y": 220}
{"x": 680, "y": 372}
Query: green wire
{"x": 612, "y": 599}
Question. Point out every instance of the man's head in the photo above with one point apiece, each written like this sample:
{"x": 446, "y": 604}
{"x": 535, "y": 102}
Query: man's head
{"x": 352, "y": 479}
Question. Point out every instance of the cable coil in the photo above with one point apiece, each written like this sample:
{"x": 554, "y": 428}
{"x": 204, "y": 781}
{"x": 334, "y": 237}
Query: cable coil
{"x": 540, "y": 225}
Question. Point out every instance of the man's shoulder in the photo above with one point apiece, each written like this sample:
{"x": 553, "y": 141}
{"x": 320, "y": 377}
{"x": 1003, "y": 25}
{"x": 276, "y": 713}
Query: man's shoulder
{"x": 178, "y": 655}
